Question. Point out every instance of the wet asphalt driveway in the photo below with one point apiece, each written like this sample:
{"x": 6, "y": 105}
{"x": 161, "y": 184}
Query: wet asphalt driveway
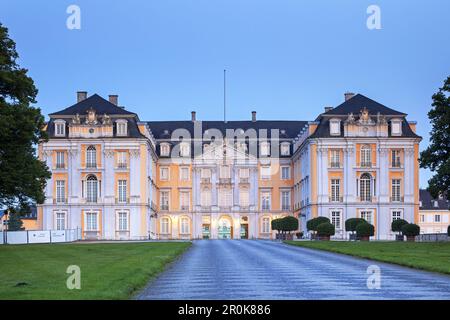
{"x": 250, "y": 269}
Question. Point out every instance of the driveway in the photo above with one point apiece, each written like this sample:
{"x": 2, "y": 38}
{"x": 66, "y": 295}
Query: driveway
{"x": 250, "y": 269}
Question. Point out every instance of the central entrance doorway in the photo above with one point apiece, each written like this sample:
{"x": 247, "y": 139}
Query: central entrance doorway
{"x": 225, "y": 228}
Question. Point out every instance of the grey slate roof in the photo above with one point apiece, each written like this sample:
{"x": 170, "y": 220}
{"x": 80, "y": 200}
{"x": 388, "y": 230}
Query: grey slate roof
{"x": 428, "y": 201}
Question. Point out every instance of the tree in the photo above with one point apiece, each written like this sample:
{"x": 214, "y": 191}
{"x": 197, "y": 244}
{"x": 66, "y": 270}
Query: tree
{"x": 325, "y": 229}
{"x": 411, "y": 230}
{"x": 396, "y": 225}
{"x": 289, "y": 224}
{"x": 364, "y": 230}
{"x": 351, "y": 223}
{"x": 14, "y": 221}
{"x": 22, "y": 175}
{"x": 437, "y": 156}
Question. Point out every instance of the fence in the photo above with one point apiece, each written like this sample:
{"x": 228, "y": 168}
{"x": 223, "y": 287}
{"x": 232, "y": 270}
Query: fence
{"x": 41, "y": 236}
{"x": 433, "y": 237}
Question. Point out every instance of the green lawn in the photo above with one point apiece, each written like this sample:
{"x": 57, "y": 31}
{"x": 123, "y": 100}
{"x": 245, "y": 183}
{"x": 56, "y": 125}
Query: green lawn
{"x": 108, "y": 270}
{"x": 431, "y": 256}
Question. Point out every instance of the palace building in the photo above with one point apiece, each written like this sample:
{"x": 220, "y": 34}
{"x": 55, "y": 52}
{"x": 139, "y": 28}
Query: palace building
{"x": 115, "y": 176}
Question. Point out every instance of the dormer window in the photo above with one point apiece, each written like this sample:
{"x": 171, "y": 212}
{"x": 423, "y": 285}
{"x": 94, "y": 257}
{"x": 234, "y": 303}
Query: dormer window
{"x": 285, "y": 149}
{"x": 60, "y": 128}
{"x": 121, "y": 127}
{"x": 165, "y": 149}
{"x": 265, "y": 148}
{"x": 335, "y": 127}
{"x": 396, "y": 127}
{"x": 184, "y": 149}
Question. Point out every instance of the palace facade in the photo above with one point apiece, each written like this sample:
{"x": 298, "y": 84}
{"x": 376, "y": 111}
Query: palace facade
{"x": 115, "y": 176}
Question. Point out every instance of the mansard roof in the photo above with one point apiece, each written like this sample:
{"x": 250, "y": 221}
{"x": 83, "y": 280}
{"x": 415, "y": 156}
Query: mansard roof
{"x": 96, "y": 102}
{"x": 427, "y": 201}
{"x": 358, "y": 102}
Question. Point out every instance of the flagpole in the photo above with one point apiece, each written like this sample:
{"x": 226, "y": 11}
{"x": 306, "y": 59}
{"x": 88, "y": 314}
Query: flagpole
{"x": 224, "y": 95}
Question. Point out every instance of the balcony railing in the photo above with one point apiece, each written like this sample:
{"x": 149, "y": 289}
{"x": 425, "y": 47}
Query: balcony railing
{"x": 122, "y": 165}
{"x": 59, "y": 200}
{"x": 60, "y": 166}
{"x": 91, "y": 165}
{"x": 396, "y": 164}
{"x": 243, "y": 180}
{"x": 91, "y": 200}
{"x": 122, "y": 200}
{"x": 164, "y": 207}
{"x": 365, "y": 165}
{"x": 335, "y": 165}
{"x": 336, "y": 199}
{"x": 397, "y": 199}
{"x": 365, "y": 199}
{"x": 224, "y": 180}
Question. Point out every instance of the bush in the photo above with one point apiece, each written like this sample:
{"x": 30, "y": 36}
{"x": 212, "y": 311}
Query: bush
{"x": 275, "y": 224}
{"x": 365, "y": 229}
{"x": 397, "y": 225}
{"x": 299, "y": 235}
{"x": 351, "y": 223}
{"x": 325, "y": 229}
{"x": 289, "y": 224}
{"x": 411, "y": 230}
{"x": 312, "y": 224}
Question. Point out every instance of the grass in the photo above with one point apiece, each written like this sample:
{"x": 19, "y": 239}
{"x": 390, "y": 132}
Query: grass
{"x": 108, "y": 270}
{"x": 430, "y": 256}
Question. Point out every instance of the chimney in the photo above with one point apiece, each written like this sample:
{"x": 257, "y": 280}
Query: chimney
{"x": 328, "y": 109}
{"x": 348, "y": 95}
{"x": 253, "y": 116}
{"x": 114, "y": 99}
{"x": 193, "y": 116}
{"x": 81, "y": 95}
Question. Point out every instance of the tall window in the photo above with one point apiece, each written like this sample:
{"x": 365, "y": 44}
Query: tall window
{"x": 265, "y": 200}
{"x": 365, "y": 190}
{"x": 121, "y": 159}
{"x": 396, "y": 185}
{"x": 184, "y": 149}
{"x": 285, "y": 149}
{"x": 225, "y": 172}
{"x": 396, "y": 215}
{"x": 285, "y": 200}
{"x": 165, "y": 149}
{"x": 60, "y": 128}
{"x": 60, "y": 191}
{"x": 121, "y": 127}
{"x": 60, "y": 220}
{"x": 91, "y": 157}
{"x": 366, "y": 156}
{"x": 265, "y": 225}
{"x": 164, "y": 200}
{"x": 336, "y": 219}
{"x": 184, "y": 223}
{"x": 285, "y": 173}
{"x": 122, "y": 191}
{"x": 367, "y": 215}
{"x": 265, "y": 172}
{"x": 165, "y": 225}
{"x": 184, "y": 173}
{"x": 335, "y": 161}
{"x": 396, "y": 162}
{"x": 122, "y": 221}
{"x": 265, "y": 148}
{"x": 244, "y": 197}
{"x": 184, "y": 200}
{"x": 205, "y": 200}
{"x": 60, "y": 160}
{"x": 164, "y": 173}
{"x": 92, "y": 188}
{"x": 437, "y": 218}
{"x": 225, "y": 197}
{"x": 335, "y": 190}
{"x": 91, "y": 221}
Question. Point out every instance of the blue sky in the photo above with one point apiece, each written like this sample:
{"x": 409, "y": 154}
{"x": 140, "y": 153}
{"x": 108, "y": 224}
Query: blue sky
{"x": 287, "y": 59}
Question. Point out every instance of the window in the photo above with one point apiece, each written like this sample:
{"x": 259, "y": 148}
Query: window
{"x": 396, "y": 127}
{"x": 335, "y": 127}
{"x": 367, "y": 215}
{"x": 121, "y": 127}
{"x": 265, "y": 172}
{"x": 122, "y": 191}
{"x": 335, "y": 190}
{"x": 164, "y": 200}
{"x": 225, "y": 172}
{"x": 184, "y": 200}
{"x": 422, "y": 218}
{"x": 285, "y": 200}
{"x": 121, "y": 159}
{"x": 122, "y": 221}
{"x": 395, "y": 159}
{"x": 225, "y": 197}
{"x": 165, "y": 225}
{"x": 60, "y": 128}
{"x": 60, "y": 220}
{"x": 244, "y": 173}
{"x": 91, "y": 157}
{"x": 244, "y": 197}
{"x": 184, "y": 149}
{"x": 335, "y": 161}
{"x": 164, "y": 173}
{"x": 285, "y": 149}
{"x": 205, "y": 173}
{"x": 396, "y": 195}
{"x": 285, "y": 173}
{"x": 92, "y": 189}
{"x": 241, "y": 147}
{"x": 435, "y": 203}
{"x": 91, "y": 221}
{"x": 365, "y": 190}
{"x": 60, "y": 160}
{"x": 205, "y": 200}
{"x": 366, "y": 156}
{"x": 60, "y": 191}
{"x": 185, "y": 226}
{"x": 184, "y": 174}
{"x": 265, "y": 149}
{"x": 437, "y": 218}
{"x": 265, "y": 225}
{"x": 396, "y": 215}
{"x": 165, "y": 149}
{"x": 336, "y": 219}
{"x": 265, "y": 200}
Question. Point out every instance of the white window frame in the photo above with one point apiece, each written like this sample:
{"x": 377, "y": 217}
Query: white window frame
{"x": 335, "y": 186}
{"x": 91, "y": 156}
{"x": 437, "y": 218}
{"x": 164, "y": 149}
{"x": 285, "y": 149}
{"x": 364, "y": 213}
{"x": 285, "y": 169}
{"x": 60, "y": 191}
{"x": 166, "y": 225}
{"x": 185, "y": 149}
{"x": 184, "y": 198}
{"x": 266, "y": 200}
{"x": 244, "y": 197}
{"x": 335, "y": 158}
{"x": 92, "y": 188}
{"x": 335, "y": 127}
{"x": 122, "y": 190}
{"x": 285, "y": 200}
{"x": 120, "y": 225}
{"x": 336, "y": 218}
{"x": 266, "y": 172}
{"x": 396, "y": 214}
{"x": 366, "y": 155}
{"x": 185, "y": 226}
{"x": 122, "y": 127}
{"x": 184, "y": 174}
{"x": 60, "y": 128}
{"x": 396, "y": 127}
{"x": 58, "y": 220}
{"x": 121, "y": 159}
{"x": 396, "y": 189}
{"x": 205, "y": 197}
{"x": 164, "y": 177}
{"x": 60, "y": 160}
{"x": 164, "y": 201}
{"x": 264, "y": 149}
{"x": 89, "y": 224}
{"x": 265, "y": 225}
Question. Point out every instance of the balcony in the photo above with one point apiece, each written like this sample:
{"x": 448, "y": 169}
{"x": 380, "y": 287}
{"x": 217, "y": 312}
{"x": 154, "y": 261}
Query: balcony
{"x": 91, "y": 165}
{"x": 365, "y": 165}
{"x": 122, "y": 165}
{"x": 243, "y": 180}
{"x": 224, "y": 180}
{"x": 335, "y": 165}
{"x": 397, "y": 199}
{"x": 205, "y": 180}
{"x": 336, "y": 199}
{"x": 60, "y": 166}
{"x": 59, "y": 200}
{"x": 122, "y": 200}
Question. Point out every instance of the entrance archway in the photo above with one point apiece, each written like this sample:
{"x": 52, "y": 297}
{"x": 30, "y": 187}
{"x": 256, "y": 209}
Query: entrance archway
{"x": 225, "y": 228}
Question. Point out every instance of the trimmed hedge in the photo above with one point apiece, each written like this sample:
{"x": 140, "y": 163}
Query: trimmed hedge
{"x": 352, "y": 223}
{"x": 312, "y": 224}
{"x": 397, "y": 225}
{"x": 365, "y": 230}
{"x": 411, "y": 230}
{"x": 286, "y": 224}
{"x": 325, "y": 229}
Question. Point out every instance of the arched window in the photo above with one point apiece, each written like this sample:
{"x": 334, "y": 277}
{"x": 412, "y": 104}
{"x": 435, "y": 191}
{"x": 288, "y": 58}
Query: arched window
{"x": 365, "y": 187}
{"x": 91, "y": 157}
{"x": 92, "y": 188}
{"x": 165, "y": 225}
{"x": 185, "y": 227}
{"x": 366, "y": 156}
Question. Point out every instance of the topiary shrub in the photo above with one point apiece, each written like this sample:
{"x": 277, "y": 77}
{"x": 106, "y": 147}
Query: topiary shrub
{"x": 289, "y": 224}
{"x": 351, "y": 223}
{"x": 365, "y": 230}
{"x": 275, "y": 224}
{"x": 397, "y": 225}
{"x": 411, "y": 230}
{"x": 325, "y": 229}
{"x": 312, "y": 224}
